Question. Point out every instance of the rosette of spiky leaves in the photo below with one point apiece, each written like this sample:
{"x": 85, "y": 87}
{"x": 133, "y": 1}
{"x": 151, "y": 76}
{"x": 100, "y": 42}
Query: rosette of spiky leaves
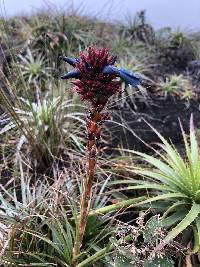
{"x": 172, "y": 185}
{"x": 45, "y": 127}
{"x": 32, "y": 68}
{"x": 96, "y": 76}
{"x": 179, "y": 86}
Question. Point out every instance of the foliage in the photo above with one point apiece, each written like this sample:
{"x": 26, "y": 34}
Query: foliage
{"x": 42, "y": 124}
{"x": 172, "y": 186}
{"x": 177, "y": 85}
{"x": 46, "y": 126}
{"x": 32, "y": 69}
{"x": 40, "y": 220}
{"x": 136, "y": 244}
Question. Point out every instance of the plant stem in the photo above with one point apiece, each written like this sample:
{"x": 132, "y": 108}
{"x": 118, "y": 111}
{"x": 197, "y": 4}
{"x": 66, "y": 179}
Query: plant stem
{"x": 93, "y": 129}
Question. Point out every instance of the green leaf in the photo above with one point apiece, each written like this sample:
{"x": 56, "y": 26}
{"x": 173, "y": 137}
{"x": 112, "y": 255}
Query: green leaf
{"x": 159, "y": 262}
{"x": 113, "y": 207}
{"x": 196, "y": 236}
{"x": 165, "y": 178}
{"x": 189, "y": 218}
{"x": 194, "y": 143}
{"x": 161, "y": 197}
{"x": 149, "y": 186}
{"x": 96, "y": 256}
{"x": 122, "y": 261}
{"x": 174, "y": 207}
{"x": 174, "y": 218}
{"x": 151, "y": 228}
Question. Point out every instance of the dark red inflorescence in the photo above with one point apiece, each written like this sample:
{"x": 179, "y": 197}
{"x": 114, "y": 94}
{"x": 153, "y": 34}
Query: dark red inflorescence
{"x": 93, "y": 85}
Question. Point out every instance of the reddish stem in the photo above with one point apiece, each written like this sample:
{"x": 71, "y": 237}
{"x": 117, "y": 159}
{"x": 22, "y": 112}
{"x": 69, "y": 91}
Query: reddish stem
{"x": 94, "y": 130}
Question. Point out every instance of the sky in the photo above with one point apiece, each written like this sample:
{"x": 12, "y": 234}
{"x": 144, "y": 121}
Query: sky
{"x": 175, "y": 13}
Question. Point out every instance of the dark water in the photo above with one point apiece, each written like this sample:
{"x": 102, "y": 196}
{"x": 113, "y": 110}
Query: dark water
{"x": 175, "y": 13}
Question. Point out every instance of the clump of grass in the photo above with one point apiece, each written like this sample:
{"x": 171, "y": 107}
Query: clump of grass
{"x": 33, "y": 69}
{"x": 40, "y": 221}
{"x": 179, "y": 86}
{"x": 44, "y": 127}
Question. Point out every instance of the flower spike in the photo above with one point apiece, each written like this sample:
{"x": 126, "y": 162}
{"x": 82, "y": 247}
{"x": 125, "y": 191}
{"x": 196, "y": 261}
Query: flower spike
{"x": 95, "y": 73}
{"x": 95, "y": 82}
